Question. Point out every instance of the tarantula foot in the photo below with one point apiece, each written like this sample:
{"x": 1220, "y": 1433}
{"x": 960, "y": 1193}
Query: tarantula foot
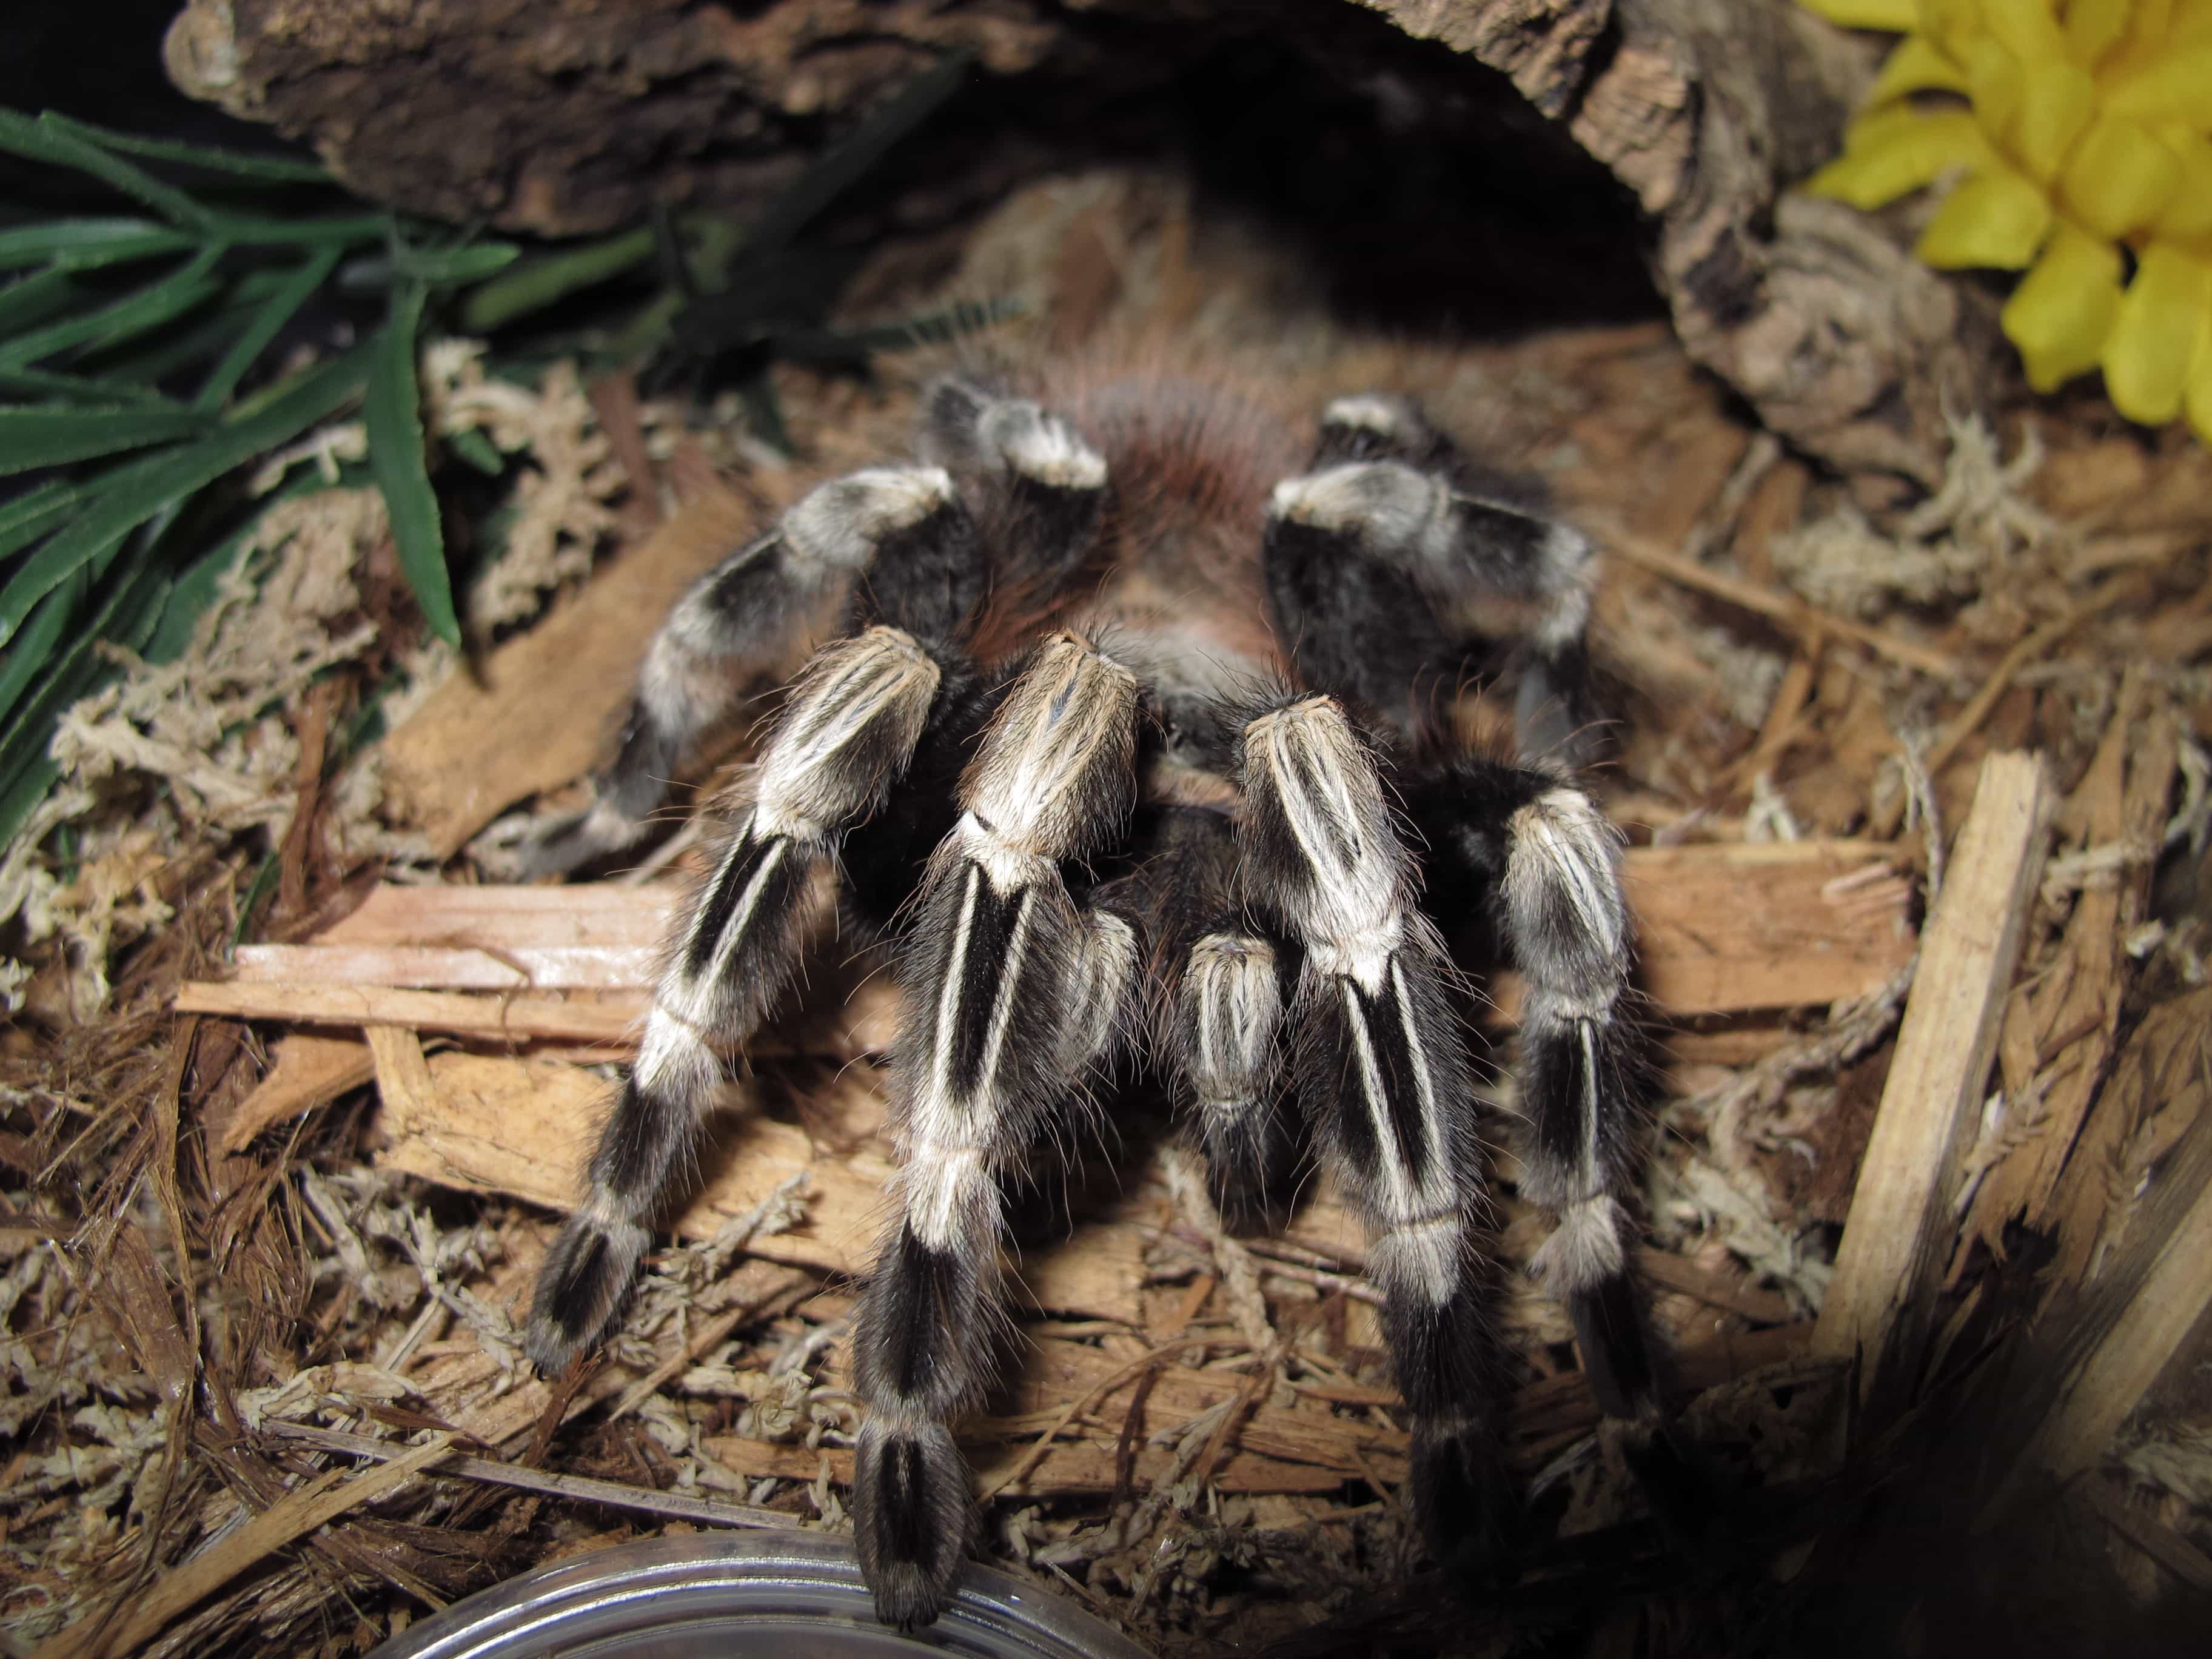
{"x": 912, "y": 1520}
{"x": 580, "y": 1288}
{"x": 1468, "y": 1506}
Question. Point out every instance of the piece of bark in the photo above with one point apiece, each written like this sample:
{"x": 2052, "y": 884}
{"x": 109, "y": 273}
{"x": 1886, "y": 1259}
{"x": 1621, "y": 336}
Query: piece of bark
{"x": 1902, "y": 1208}
{"x": 306, "y": 1071}
{"x": 581, "y": 117}
{"x": 541, "y": 709}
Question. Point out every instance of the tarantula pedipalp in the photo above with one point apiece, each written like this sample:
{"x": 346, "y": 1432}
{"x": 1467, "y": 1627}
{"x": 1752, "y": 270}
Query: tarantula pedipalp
{"x": 1106, "y": 752}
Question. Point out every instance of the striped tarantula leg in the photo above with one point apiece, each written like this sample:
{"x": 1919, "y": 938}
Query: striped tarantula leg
{"x": 742, "y": 623}
{"x": 1383, "y": 1074}
{"x": 1037, "y": 486}
{"x": 1395, "y": 550}
{"x": 1010, "y": 991}
{"x": 844, "y": 739}
{"x": 1219, "y": 1025}
{"x": 1550, "y": 863}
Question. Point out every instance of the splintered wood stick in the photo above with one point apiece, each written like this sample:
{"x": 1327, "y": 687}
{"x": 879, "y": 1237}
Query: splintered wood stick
{"x": 1902, "y": 1207}
{"x": 578, "y": 1488}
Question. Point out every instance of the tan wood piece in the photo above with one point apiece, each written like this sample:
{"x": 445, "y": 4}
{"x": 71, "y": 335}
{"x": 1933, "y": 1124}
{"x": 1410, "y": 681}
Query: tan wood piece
{"x": 486, "y": 740}
{"x": 1901, "y": 1215}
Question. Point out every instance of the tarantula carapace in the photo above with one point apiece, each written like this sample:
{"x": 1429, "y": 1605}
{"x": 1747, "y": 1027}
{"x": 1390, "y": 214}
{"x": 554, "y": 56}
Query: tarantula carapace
{"x": 1121, "y": 751}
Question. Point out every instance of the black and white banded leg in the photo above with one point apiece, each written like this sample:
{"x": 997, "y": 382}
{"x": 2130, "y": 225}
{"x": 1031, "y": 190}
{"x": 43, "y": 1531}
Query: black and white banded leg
{"x": 845, "y": 738}
{"x": 1038, "y": 487}
{"x": 1011, "y": 993}
{"x": 1550, "y": 864}
{"x": 1218, "y": 1008}
{"x": 1382, "y": 1070}
{"x": 739, "y": 625}
{"x": 1395, "y": 554}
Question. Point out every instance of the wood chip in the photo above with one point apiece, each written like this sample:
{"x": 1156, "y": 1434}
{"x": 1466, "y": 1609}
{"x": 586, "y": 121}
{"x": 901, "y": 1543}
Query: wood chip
{"x": 486, "y": 740}
{"x": 1902, "y": 1209}
{"x": 305, "y": 1071}
{"x": 486, "y": 1123}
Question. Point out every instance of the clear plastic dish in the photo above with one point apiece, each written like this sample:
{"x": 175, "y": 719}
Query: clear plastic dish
{"x": 743, "y": 1595}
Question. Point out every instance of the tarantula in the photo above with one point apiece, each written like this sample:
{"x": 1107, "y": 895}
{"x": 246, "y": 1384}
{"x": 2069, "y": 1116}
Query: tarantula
{"x": 1119, "y": 747}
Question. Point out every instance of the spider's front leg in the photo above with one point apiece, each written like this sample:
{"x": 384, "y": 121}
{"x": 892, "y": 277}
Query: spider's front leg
{"x": 1011, "y": 992}
{"x": 738, "y": 624}
{"x": 846, "y": 737}
{"x": 1383, "y": 1072}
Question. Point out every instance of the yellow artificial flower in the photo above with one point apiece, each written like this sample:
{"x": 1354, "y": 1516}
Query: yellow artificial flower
{"x": 2080, "y": 133}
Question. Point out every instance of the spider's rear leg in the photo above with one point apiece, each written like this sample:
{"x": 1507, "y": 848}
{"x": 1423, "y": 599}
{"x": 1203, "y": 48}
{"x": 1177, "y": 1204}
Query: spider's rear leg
{"x": 741, "y": 623}
{"x": 845, "y": 738}
{"x": 1393, "y": 555}
{"x": 1383, "y": 1073}
{"x": 1547, "y": 863}
{"x": 1011, "y": 992}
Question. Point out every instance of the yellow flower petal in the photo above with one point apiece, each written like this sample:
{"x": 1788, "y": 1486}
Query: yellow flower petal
{"x": 2147, "y": 356}
{"x": 1996, "y": 84}
{"x": 2118, "y": 177}
{"x": 1907, "y": 156}
{"x": 2196, "y": 400}
{"x": 1916, "y": 65}
{"x": 1951, "y": 23}
{"x": 2187, "y": 216}
{"x": 2149, "y": 33}
{"x": 2026, "y": 26}
{"x": 1995, "y": 218}
{"x": 2177, "y": 88}
{"x": 2093, "y": 27}
{"x": 1898, "y": 15}
{"x": 2060, "y": 98}
{"x": 2061, "y": 311}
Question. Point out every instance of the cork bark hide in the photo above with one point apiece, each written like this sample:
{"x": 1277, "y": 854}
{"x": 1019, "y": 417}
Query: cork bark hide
{"x": 565, "y": 116}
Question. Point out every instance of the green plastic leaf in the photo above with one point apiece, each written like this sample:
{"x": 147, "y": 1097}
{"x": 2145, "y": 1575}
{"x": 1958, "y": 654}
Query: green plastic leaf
{"x": 126, "y": 616}
{"x": 48, "y": 435}
{"x": 22, "y": 798}
{"x": 28, "y": 516}
{"x": 30, "y": 301}
{"x": 478, "y": 451}
{"x": 298, "y": 289}
{"x": 85, "y": 244}
{"x": 122, "y": 500}
{"x": 440, "y": 267}
{"x": 394, "y": 415}
{"x": 44, "y": 141}
{"x": 81, "y": 388}
{"x": 282, "y": 168}
{"x": 844, "y": 164}
{"x": 551, "y": 277}
{"x": 42, "y": 635}
{"x": 148, "y": 307}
